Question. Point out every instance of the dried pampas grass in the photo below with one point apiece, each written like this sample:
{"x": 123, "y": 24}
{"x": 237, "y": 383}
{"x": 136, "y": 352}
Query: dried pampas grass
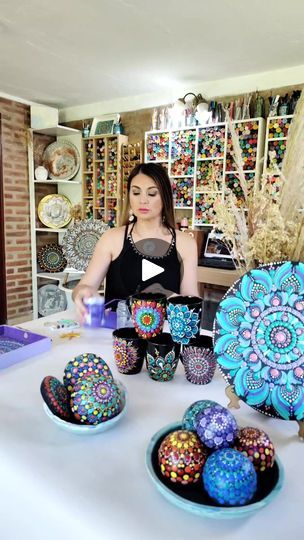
{"x": 269, "y": 227}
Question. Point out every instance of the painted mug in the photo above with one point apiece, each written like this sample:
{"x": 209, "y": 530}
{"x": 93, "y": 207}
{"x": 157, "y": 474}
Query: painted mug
{"x": 148, "y": 313}
{"x": 199, "y": 360}
{"x": 162, "y": 357}
{"x": 129, "y": 351}
{"x": 184, "y": 315}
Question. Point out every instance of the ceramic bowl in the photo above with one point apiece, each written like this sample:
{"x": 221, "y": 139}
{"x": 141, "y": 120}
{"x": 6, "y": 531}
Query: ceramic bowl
{"x": 85, "y": 429}
{"x": 195, "y": 499}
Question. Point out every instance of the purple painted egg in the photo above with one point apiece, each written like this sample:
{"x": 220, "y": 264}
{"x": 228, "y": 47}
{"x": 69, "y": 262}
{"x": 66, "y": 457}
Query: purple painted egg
{"x": 95, "y": 400}
{"x": 216, "y": 427}
{"x": 193, "y": 410}
{"x": 257, "y": 446}
{"x": 84, "y": 365}
{"x": 56, "y": 397}
{"x": 229, "y": 477}
{"x": 181, "y": 457}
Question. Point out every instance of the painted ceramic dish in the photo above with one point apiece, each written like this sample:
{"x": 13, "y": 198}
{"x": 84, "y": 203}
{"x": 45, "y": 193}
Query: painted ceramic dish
{"x": 54, "y": 211}
{"x": 79, "y": 242}
{"x": 51, "y": 300}
{"x": 259, "y": 339}
{"x": 51, "y": 258}
{"x": 194, "y": 498}
{"x": 62, "y": 160}
{"x": 86, "y": 429}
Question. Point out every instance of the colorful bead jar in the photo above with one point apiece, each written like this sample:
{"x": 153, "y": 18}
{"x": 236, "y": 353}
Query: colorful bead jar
{"x": 257, "y": 446}
{"x": 181, "y": 457}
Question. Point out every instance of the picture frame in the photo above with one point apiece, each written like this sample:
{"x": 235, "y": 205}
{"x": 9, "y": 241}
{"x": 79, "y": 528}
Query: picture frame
{"x": 103, "y": 125}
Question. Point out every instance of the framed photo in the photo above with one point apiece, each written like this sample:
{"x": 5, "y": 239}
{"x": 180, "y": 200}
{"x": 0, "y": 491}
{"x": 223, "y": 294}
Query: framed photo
{"x": 103, "y": 125}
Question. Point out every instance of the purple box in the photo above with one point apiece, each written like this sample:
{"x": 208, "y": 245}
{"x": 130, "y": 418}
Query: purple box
{"x": 17, "y": 344}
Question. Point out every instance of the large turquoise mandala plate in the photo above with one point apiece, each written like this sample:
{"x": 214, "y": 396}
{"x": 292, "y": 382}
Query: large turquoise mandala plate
{"x": 259, "y": 339}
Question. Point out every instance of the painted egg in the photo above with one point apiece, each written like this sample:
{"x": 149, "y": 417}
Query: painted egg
{"x": 56, "y": 397}
{"x": 216, "y": 427}
{"x": 190, "y": 414}
{"x": 257, "y": 446}
{"x": 95, "y": 400}
{"x": 181, "y": 457}
{"x": 84, "y": 365}
{"x": 229, "y": 477}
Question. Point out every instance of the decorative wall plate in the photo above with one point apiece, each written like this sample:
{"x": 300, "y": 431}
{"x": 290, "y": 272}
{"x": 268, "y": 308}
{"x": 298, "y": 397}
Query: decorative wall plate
{"x": 51, "y": 258}
{"x": 51, "y": 300}
{"x": 259, "y": 339}
{"x": 79, "y": 242}
{"x": 55, "y": 211}
{"x": 62, "y": 160}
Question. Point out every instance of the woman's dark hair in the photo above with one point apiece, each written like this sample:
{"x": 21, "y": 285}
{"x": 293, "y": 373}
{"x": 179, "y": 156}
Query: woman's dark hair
{"x": 160, "y": 176}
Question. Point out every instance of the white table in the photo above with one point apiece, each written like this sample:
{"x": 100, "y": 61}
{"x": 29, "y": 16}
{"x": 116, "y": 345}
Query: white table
{"x": 58, "y": 485}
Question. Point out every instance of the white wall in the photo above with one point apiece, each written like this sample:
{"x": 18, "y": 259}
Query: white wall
{"x": 210, "y": 89}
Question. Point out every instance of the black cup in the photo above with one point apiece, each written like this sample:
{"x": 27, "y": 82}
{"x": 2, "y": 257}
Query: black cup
{"x": 129, "y": 351}
{"x": 148, "y": 313}
{"x": 162, "y": 357}
{"x": 184, "y": 315}
{"x": 199, "y": 360}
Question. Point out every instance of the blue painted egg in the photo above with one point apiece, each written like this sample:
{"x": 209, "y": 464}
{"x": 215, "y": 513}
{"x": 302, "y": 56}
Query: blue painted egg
{"x": 216, "y": 427}
{"x": 95, "y": 400}
{"x": 229, "y": 477}
{"x": 193, "y": 410}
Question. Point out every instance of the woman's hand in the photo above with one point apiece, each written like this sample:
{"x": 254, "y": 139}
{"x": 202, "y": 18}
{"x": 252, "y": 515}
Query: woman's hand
{"x": 81, "y": 292}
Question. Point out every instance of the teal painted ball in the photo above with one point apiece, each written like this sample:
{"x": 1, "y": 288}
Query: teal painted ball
{"x": 192, "y": 411}
{"x": 95, "y": 400}
{"x": 229, "y": 477}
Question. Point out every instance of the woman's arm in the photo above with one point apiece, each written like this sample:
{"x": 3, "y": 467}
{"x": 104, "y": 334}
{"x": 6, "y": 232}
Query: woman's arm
{"x": 187, "y": 249}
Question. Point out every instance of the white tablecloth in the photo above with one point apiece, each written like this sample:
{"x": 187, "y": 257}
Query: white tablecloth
{"x": 59, "y": 485}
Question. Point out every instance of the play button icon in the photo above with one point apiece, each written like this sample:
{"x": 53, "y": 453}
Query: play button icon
{"x": 149, "y": 269}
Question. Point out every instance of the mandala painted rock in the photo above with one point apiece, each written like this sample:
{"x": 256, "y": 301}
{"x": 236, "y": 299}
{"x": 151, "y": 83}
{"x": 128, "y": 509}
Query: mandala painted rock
{"x": 259, "y": 339}
{"x": 216, "y": 427}
{"x": 229, "y": 477}
{"x": 95, "y": 400}
{"x": 257, "y": 446}
{"x": 181, "y": 457}
{"x": 189, "y": 418}
{"x": 84, "y": 365}
{"x": 56, "y": 397}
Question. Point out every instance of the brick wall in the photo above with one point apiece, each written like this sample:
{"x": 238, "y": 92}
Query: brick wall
{"x": 15, "y": 121}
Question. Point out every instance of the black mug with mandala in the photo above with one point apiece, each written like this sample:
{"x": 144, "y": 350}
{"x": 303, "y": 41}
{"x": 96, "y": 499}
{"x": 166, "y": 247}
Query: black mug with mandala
{"x": 184, "y": 314}
{"x": 129, "y": 351}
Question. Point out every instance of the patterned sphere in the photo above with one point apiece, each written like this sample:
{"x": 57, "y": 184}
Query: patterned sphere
{"x": 190, "y": 414}
{"x": 216, "y": 427}
{"x": 84, "y": 365}
{"x": 229, "y": 477}
{"x": 56, "y": 397}
{"x": 256, "y": 445}
{"x": 181, "y": 457}
{"x": 95, "y": 400}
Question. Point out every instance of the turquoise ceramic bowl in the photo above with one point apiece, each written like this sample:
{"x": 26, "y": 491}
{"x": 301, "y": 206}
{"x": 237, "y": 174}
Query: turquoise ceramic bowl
{"x": 85, "y": 429}
{"x": 194, "y": 498}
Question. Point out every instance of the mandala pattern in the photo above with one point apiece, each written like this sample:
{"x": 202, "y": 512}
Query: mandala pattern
{"x": 79, "y": 242}
{"x": 190, "y": 414}
{"x": 259, "y": 339}
{"x": 162, "y": 369}
{"x": 199, "y": 364}
{"x": 126, "y": 356}
{"x": 216, "y": 427}
{"x": 82, "y": 366}
{"x": 229, "y": 477}
{"x": 148, "y": 317}
{"x": 256, "y": 445}
{"x": 95, "y": 400}
{"x": 56, "y": 397}
{"x": 184, "y": 323}
{"x": 7, "y": 345}
{"x": 51, "y": 259}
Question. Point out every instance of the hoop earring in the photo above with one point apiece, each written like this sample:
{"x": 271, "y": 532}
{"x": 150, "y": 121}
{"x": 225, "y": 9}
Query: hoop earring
{"x": 131, "y": 216}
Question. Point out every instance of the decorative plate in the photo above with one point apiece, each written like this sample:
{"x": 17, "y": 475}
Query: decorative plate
{"x": 51, "y": 300}
{"x": 62, "y": 160}
{"x": 259, "y": 339}
{"x": 55, "y": 211}
{"x": 195, "y": 499}
{"x": 51, "y": 258}
{"x": 85, "y": 429}
{"x": 79, "y": 242}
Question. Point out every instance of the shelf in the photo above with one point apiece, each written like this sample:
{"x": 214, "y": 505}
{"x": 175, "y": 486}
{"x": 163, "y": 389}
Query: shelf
{"x": 50, "y": 182}
{"x": 58, "y": 275}
{"x": 87, "y": 172}
{"x": 210, "y": 159}
{"x": 199, "y": 191}
{"x": 57, "y": 131}
{"x": 157, "y": 161}
{"x": 182, "y": 176}
{"x": 183, "y": 207}
{"x": 271, "y": 139}
{"x": 49, "y": 229}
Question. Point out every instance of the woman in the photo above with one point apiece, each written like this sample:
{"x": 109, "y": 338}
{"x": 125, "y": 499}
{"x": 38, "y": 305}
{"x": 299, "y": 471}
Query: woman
{"x": 148, "y": 234}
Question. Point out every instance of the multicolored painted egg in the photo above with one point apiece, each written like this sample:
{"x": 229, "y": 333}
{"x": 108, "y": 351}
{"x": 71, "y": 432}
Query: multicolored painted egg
{"x": 216, "y": 427}
{"x": 56, "y": 397}
{"x": 229, "y": 477}
{"x": 96, "y": 399}
{"x": 181, "y": 457}
{"x": 192, "y": 411}
{"x": 257, "y": 446}
{"x": 84, "y": 365}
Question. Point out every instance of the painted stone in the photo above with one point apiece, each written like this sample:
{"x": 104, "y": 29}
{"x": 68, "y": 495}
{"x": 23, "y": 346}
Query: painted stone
{"x": 84, "y": 365}
{"x": 257, "y": 446}
{"x": 95, "y": 400}
{"x": 216, "y": 427}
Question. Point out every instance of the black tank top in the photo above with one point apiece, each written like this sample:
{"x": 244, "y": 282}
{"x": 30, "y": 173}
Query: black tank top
{"x": 124, "y": 276}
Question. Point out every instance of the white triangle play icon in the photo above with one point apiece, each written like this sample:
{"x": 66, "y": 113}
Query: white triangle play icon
{"x": 150, "y": 270}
